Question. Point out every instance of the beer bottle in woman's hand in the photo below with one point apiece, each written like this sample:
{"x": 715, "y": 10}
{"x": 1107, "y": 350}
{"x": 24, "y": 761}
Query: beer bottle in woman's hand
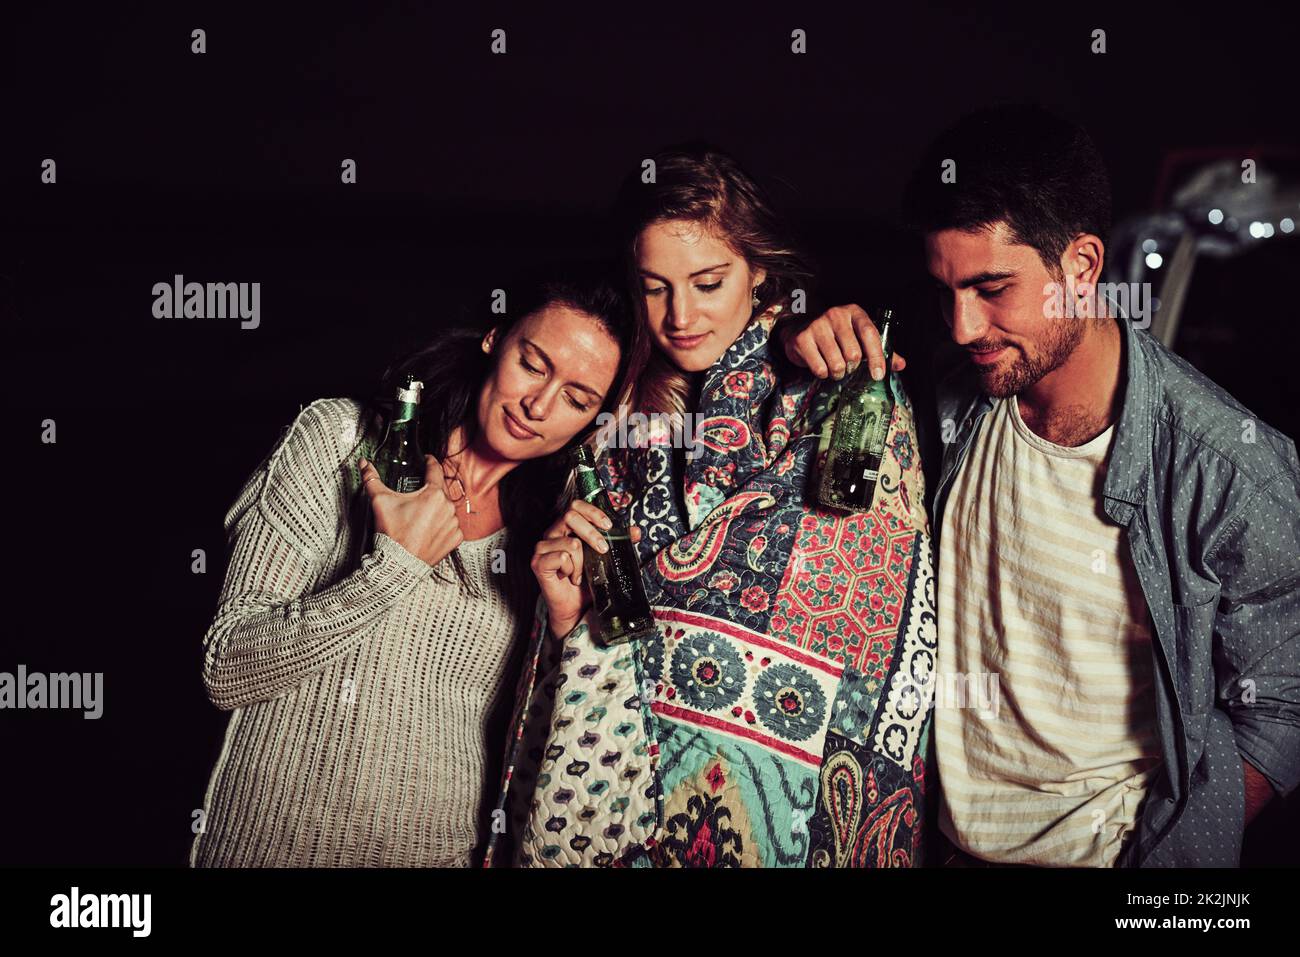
{"x": 589, "y": 542}
{"x": 399, "y": 459}
{"x": 424, "y": 521}
{"x": 614, "y": 576}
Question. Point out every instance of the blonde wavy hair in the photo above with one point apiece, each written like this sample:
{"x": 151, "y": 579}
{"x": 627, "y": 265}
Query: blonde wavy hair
{"x": 699, "y": 184}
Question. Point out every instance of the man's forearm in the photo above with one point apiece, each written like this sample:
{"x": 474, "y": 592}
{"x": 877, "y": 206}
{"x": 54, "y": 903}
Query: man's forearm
{"x": 1258, "y": 791}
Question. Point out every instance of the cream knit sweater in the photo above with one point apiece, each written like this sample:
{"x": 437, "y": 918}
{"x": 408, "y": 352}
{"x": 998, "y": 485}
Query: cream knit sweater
{"x": 359, "y": 701}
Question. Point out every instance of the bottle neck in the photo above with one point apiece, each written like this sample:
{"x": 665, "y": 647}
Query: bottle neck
{"x": 590, "y": 488}
{"x": 887, "y": 342}
{"x": 859, "y": 380}
{"x": 405, "y": 413}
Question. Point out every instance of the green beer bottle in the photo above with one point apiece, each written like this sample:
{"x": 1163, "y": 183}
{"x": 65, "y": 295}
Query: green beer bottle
{"x": 399, "y": 459}
{"x": 854, "y": 434}
{"x": 618, "y": 599}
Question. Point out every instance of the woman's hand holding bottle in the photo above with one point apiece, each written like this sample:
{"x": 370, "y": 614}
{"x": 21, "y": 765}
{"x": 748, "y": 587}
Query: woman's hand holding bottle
{"x": 557, "y": 562}
{"x": 424, "y": 521}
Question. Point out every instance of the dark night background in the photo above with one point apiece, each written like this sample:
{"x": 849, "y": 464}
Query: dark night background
{"x": 225, "y": 167}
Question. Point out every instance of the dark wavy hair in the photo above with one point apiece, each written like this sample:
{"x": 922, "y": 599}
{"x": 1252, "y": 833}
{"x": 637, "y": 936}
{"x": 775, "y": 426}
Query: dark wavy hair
{"x": 1039, "y": 172}
{"x": 454, "y": 368}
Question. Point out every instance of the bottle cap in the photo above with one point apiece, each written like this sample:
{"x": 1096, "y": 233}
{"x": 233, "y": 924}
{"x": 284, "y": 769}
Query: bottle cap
{"x": 411, "y": 391}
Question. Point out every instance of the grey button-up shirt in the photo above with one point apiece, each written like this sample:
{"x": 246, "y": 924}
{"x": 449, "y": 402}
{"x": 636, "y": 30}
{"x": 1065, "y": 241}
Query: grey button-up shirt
{"x": 1209, "y": 497}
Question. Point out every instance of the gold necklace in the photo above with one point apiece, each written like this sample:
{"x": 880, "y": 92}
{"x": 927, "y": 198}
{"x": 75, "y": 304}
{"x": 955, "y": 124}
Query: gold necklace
{"x": 464, "y": 492}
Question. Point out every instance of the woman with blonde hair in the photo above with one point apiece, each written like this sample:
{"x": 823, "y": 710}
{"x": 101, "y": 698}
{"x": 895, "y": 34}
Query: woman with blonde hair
{"x": 772, "y": 719}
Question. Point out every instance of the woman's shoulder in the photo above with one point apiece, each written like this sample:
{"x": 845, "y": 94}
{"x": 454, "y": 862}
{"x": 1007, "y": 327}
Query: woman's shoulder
{"x": 337, "y": 417}
{"x": 322, "y": 431}
{"x": 307, "y": 471}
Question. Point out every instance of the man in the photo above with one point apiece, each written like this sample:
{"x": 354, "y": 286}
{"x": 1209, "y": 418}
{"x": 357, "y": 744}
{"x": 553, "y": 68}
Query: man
{"x": 1118, "y": 539}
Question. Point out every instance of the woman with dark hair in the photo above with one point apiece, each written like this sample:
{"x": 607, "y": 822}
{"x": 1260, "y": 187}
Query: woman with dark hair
{"x": 364, "y": 670}
{"x": 775, "y": 718}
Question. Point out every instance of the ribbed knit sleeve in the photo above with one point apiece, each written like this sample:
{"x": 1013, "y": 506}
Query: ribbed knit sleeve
{"x": 273, "y": 628}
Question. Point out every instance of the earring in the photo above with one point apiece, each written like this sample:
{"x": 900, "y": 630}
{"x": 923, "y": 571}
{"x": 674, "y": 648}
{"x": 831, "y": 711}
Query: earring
{"x": 754, "y": 297}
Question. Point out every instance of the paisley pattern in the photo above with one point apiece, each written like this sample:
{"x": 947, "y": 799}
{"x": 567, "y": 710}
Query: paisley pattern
{"x": 723, "y": 433}
{"x": 869, "y": 813}
{"x": 777, "y": 699}
{"x": 689, "y": 558}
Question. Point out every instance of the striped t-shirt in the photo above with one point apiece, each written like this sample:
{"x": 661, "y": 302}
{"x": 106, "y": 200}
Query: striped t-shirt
{"x": 1049, "y": 763}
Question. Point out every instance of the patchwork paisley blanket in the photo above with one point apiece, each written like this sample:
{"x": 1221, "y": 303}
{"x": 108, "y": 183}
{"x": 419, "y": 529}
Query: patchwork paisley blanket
{"x": 779, "y": 716}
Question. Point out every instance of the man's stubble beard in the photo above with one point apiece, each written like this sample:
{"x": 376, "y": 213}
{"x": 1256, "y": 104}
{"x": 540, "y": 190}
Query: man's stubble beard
{"x": 1047, "y": 354}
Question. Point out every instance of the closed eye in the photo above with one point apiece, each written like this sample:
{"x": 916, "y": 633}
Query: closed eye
{"x": 572, "y": 401}
{"x": 709, "y": 287}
